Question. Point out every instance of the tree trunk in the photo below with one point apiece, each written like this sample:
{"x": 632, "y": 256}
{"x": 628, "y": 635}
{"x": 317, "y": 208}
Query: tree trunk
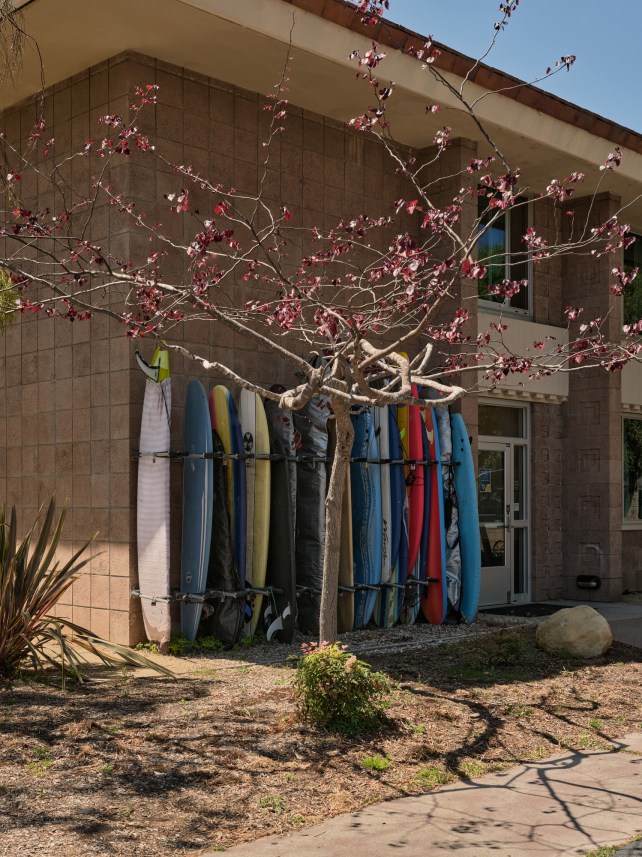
{"x": 333, "y": 502}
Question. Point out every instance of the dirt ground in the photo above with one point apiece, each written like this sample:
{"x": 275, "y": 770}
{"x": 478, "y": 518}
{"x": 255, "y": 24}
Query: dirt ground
{"x": 138, "y": 765}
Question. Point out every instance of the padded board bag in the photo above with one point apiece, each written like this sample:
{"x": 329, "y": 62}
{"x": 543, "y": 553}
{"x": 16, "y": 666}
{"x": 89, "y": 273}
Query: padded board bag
{"x": 222, "y": 618}
{"x": 311, "y": 423}
{"x": 280, "y": 608}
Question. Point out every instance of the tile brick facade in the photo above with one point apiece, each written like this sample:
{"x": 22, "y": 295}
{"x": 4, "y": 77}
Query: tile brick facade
{"x": 71, "y": 399}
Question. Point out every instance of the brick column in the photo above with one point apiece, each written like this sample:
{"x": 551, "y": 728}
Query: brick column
{"x": 449, "y": 174}
{"x": 592, "y": 446}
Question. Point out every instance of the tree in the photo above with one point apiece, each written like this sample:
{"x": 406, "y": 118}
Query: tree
{"x": 356, "y": 295}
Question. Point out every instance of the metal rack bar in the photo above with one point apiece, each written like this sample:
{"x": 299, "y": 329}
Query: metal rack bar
{"x": 213, "y": 594}
{"x": 302, "y": 459}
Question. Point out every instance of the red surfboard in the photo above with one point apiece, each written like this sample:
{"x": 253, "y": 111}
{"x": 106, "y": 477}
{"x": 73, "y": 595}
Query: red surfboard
{"x": 433, "y": 604}
{"x": 415, "y": 482}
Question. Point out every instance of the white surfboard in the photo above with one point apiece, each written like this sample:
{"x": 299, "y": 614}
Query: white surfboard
{"x": 453, "y": 553}
{"x": 153, "y": 501}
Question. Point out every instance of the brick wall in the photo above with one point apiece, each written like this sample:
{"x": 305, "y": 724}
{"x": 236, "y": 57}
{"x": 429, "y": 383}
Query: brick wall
{"x": 592, "y": 450}
{"x": 72, "y": 399}
{"x": 547, "y": 275}
{"x": 631, "y": 560}
{"x": 546, "y": 501}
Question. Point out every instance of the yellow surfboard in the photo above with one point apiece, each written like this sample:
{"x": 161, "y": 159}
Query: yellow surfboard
{"x": 256, "y": 441}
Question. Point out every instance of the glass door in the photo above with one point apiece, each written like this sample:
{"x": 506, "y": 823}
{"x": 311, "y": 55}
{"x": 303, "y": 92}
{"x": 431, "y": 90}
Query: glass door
{"x": 494, "y": 523}
{"x": 503, "y": 522}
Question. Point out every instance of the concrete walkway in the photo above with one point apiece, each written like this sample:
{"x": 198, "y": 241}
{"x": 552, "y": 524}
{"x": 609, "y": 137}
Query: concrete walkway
{"x": 567, "y": 805}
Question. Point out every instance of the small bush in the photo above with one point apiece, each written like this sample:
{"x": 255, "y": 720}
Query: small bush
{"x": 337, "y": 690}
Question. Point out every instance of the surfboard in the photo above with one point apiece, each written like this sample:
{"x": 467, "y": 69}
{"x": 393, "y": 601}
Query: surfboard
{"x": 152, "y": 508}
{"x": 345, "y": 600}
{"x": 469, "y": 542}
{"x": 197, "y": 504}
{"x": 382, "y": 432}
{"x": 345, "y": 603}
{"x": 434, "y": 603}
{"x": 240, "y": 491}
{"x": 225, "y": 421}
{"x": 365, "y": 479}
{"x": 223, "y": 618}
{"x": 219, "y": 415}
{"x": 414, "y": 594}
{"x": 311, "y": 423}
{"x": 451, "y": 514}
{"x": 256, "y": 441}
{"x": 391, "y": 600}
{"x": 279, "y": 616}
{"x": 415, "y": 482}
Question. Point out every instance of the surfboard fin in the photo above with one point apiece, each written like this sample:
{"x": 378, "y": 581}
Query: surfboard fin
{"x": 158, "y": 369}
{"x": 152, "y": 372}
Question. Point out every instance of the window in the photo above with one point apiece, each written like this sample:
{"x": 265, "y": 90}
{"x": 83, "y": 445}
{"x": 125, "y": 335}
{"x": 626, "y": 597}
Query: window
{"x": 498, "y": 421}
{"x": 632, "y": 309}
{"x": 503, "y": 252}
{"x": 632, "y": 476}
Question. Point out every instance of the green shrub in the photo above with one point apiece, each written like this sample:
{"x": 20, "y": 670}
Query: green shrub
{"x": 337, "y": 690}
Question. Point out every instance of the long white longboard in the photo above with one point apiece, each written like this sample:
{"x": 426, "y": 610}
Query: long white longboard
{"x": 153, "y": 502}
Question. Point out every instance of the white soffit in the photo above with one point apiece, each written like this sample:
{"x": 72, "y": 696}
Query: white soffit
{"x": 519, "y": 339}
{"x": 245, "y": 42}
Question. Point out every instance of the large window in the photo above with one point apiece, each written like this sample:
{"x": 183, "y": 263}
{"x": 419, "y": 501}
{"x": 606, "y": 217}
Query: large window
{"x": 502, "y": 251}
{"x": 633, "y": 293}
{"x": 632, "y": 476}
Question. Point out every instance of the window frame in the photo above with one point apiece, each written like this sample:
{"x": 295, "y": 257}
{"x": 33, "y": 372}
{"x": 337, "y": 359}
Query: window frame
{"x": 487, "y": 305}
{"x": 637, "y": 263}
{"x": 628, "y": 524}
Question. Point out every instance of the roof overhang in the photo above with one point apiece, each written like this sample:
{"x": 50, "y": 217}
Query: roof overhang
{"x": 246, "y": 43}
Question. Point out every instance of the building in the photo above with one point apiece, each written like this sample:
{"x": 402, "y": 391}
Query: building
{"x": 559, "y": 461}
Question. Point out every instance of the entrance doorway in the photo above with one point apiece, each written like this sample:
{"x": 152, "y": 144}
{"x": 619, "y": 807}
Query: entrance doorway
{"x": 503, "y": 504}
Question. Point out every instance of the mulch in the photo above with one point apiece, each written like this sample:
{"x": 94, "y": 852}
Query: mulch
{"x": 149, "y": 766}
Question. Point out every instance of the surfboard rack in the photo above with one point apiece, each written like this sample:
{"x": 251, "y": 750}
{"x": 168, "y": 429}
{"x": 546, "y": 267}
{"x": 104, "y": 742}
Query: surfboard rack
{"x": 251, "y": 591}
{"x": 208, "y": 595}
{"x": 177, "y": 455}
{"x": 217, "y": 594}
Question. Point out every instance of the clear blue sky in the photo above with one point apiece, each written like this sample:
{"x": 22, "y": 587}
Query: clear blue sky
{"x": 605, "y": 35}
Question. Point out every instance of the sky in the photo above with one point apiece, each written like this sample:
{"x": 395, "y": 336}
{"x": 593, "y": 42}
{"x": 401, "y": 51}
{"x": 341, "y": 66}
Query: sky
{"x": 605, "y": 35}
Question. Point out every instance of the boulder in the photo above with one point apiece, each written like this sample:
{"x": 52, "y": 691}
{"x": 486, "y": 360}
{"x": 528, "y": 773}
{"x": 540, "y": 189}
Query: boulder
{"x": 578, "y": 631}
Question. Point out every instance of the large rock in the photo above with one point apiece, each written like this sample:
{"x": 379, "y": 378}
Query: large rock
{"x": 578, "y": 631}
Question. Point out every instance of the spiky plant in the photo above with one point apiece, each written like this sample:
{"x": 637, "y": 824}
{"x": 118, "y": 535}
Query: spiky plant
{"x": 31, "y": 584}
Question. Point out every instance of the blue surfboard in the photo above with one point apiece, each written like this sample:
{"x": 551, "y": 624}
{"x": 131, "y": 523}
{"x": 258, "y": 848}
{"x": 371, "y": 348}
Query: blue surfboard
{"x": 367, "y": 533}
{"x": 387, "y": 607}
{"x": 198, "y": 489}
{"x": 469, "y": 542}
